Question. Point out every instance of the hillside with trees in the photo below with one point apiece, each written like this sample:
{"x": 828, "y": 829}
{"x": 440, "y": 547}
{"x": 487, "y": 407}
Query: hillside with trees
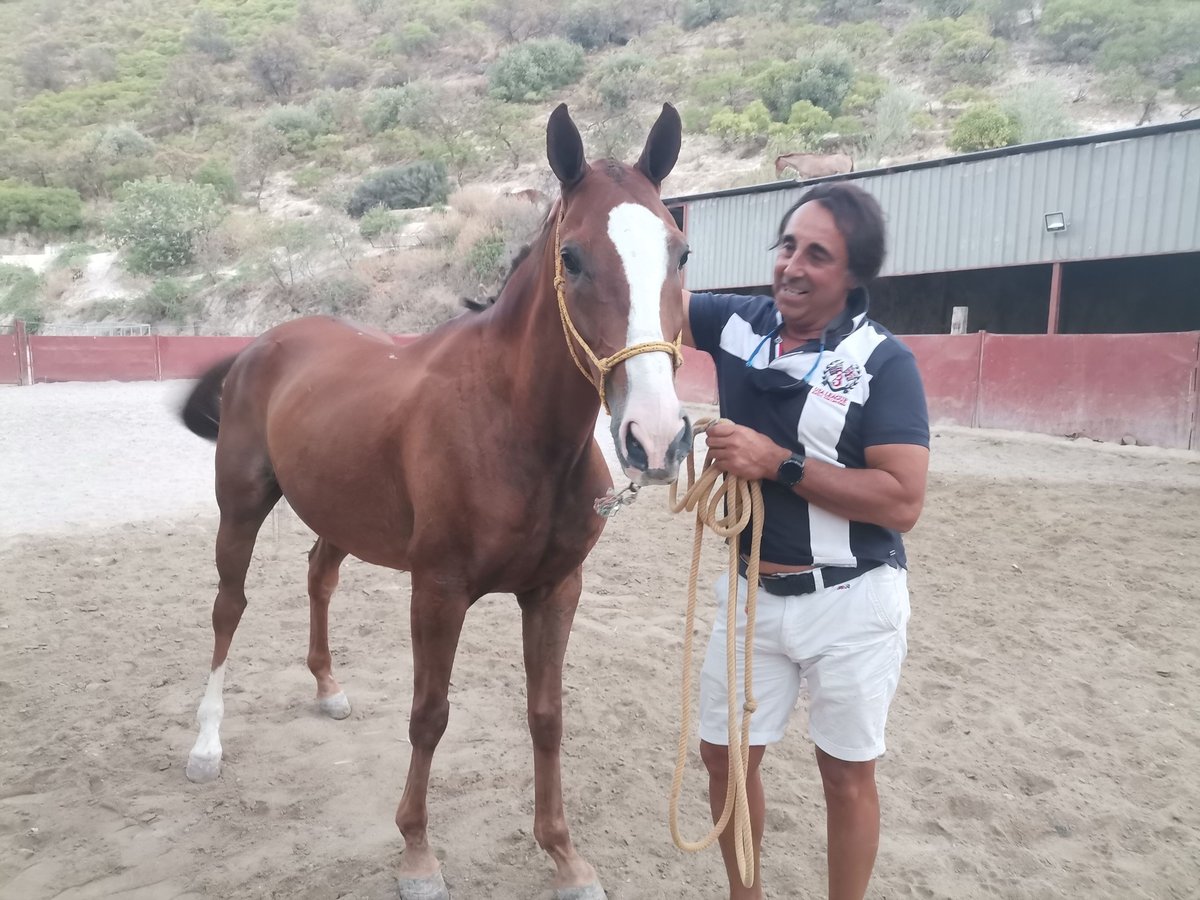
{"x": 219, "y": 166}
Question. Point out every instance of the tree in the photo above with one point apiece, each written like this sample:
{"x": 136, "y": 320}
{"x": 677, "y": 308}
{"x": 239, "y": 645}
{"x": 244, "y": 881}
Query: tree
{"x": 100, "y": 61}
{"x": 42, "y": 67}
{"x": 261, "y": 151}
{"x": 160, "y": 222}
{"x": 208, "y": 35}
{"x": 105, "y": 158}
{"x": 847, "y": 10}
{"x": 187, "y": 89}
{"x": 698, "y": 13}
{"x": 892, "y": 127}
{"x": 517, "y": 22}
{"x": 279, "y": 63}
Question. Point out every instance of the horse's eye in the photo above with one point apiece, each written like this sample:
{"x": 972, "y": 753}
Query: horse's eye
{"x": 684, "y": 258}
{"x": 571, "y": 262}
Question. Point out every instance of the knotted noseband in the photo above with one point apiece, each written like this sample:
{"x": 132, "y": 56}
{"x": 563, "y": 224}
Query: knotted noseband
{"x": 603, "y": 366}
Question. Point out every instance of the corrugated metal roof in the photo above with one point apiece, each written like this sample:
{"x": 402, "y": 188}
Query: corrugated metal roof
{"x": 1132, "y": 193}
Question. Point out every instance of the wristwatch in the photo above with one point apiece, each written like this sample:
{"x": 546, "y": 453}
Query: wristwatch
{"x": 791, "y": 470}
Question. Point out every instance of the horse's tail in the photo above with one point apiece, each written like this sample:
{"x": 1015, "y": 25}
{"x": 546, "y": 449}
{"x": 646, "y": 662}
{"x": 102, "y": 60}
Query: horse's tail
{"x": 201, "y": 411}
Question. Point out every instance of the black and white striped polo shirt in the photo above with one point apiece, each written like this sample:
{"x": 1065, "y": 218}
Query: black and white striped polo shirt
{"x": 832, "y": 399}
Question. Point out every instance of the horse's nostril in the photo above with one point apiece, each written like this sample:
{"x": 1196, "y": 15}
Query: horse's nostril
{"x": 635, "y": 453}
{"x": 682, "y": 443}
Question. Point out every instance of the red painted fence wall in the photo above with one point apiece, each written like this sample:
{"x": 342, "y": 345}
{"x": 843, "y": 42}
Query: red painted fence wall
{"x": 1105, "y": 386}
{"x": 93, "y": 358}
{"x": 190, "y": 357}
{"x": 10, "y": 363}
{"x": 949, "y": 365}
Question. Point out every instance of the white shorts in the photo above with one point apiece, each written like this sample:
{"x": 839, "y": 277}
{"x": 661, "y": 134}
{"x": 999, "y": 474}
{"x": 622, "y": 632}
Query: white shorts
{"x": 845, "y": 642}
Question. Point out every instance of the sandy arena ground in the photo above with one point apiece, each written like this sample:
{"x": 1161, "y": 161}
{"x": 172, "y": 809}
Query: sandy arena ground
{"x": 1045, "y": 743}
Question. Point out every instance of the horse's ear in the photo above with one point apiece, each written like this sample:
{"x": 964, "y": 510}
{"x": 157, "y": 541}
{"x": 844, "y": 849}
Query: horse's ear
{"x": 564, "y": 148}
{"x": 662, "y": 146}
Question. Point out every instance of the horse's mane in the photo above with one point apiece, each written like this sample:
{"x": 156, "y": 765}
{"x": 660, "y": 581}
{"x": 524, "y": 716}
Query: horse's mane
{"x": 476, "y": 304}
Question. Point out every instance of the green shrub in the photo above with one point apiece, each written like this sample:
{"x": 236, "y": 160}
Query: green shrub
{"x": 24, "y": 207}
{"x": 751, "y": 125}
{"x": 169, "y": 300}
{"x": 621, "y": 80}
{"x": 824, "y": 79}
{"x": 406, "y": 106}
{"x": 346, "y": 71}
{"x": 1078, "y": 28}
{"x": 864, "y": 94}
{"x": 379, "y": 224}
{"x": 1038, "y": 112}
{"x": 72, "y": 255}
{"x": 216, "y": 173}
{"x": 415, "y": 38}
{"x": 809, "y": 121}
{"x": 984, "y": 127}
{"x": 487, "y": 259}
{"x": 530, "y": 71}
{"x": 337, "y": 295}
{"x": 593, "y": 24}
{"x": 19, "y": 289}
{"x": 299, "y": 125}
{"x": 698, "y": 13}
{"x": 421, "y": 183}
{"x": 971, "y": 57}
{"x": 160, "y": 222}
{"x": 209, "y": 35}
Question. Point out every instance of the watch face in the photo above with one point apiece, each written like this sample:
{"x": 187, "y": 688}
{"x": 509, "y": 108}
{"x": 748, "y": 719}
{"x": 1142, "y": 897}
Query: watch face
{"x": 791, "y": 471}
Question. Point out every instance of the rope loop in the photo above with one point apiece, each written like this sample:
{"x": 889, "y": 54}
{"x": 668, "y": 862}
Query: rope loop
{"x": 743, "y": 504}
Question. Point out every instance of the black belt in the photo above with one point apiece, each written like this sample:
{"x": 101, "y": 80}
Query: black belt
{"x": 791, "y": 584}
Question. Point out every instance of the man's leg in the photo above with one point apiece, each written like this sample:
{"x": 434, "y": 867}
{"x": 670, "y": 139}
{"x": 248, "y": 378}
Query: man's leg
{"x": 716, "y": 760}
{"x": 852, "y": 824}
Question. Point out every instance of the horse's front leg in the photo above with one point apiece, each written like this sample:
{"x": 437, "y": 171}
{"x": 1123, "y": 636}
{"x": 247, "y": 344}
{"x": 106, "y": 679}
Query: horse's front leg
{"x": 547, "y": 615}
{"x": 437, "y": 613}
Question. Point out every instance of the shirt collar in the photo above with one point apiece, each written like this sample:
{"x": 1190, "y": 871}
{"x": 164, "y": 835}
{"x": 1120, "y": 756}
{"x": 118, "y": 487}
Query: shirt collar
{"x": 853, "y": 314}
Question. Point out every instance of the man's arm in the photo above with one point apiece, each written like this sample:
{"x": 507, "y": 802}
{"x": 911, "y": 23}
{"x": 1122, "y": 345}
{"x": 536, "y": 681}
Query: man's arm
{"x": 890, "y": 492}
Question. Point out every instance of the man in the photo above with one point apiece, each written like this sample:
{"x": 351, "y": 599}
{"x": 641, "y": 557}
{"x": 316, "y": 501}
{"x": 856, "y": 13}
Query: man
{"x": 829, "y": 411}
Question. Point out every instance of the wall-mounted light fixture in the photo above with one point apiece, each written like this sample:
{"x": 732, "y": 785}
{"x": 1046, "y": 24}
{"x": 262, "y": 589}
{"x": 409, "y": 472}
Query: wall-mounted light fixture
{"x": 1055, "y": 222}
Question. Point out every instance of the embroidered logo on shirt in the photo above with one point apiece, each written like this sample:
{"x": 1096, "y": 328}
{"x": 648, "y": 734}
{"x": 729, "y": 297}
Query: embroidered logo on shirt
{"x": 841, "y": 376}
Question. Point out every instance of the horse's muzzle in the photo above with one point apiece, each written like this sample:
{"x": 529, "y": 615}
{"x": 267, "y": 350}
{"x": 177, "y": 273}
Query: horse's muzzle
{"x": 649, "y": 464}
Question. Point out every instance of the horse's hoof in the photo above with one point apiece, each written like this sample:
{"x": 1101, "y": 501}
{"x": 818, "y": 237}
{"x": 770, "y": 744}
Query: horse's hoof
{"x": 202, "y": 769}
{"x": 431, "y": 887}
{"x": 591, "y": 891}
{"x": 336, "y": 707}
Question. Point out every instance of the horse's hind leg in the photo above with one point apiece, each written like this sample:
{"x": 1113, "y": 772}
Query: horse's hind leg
{"x": 437, "y": 613}
{"x": 546, "y": 620}
{"x": 323, "y": 562}
{"x": 246, "y": 494}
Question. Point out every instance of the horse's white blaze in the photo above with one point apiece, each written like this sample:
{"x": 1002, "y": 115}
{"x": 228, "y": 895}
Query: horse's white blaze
{"x": 204, "y": 762}
{"x": 651, "y": 408}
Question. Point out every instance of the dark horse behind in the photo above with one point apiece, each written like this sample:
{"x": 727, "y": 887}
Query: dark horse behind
{"x": 466, "y": 458}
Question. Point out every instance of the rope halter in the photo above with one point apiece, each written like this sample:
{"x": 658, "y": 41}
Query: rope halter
{"x": 603, "y": 366}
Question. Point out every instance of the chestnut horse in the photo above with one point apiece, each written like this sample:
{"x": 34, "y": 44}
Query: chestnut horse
{"x": 466, "y": 458}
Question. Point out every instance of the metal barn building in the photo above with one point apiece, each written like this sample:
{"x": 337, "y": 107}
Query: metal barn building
{"x": 1093, "y": 234}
